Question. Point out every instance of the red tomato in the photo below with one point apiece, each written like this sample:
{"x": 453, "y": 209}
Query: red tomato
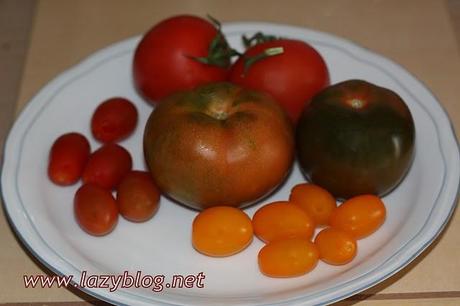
{"x": 113, "y": 120}
{"x": 67, "y": 158}
{"x": 95, "y": 210}
{"x": 138, "y": 196}
{"x": 292, "y": 77}
{"x": 165, "y": 60}
{"x": 107, "y": 166}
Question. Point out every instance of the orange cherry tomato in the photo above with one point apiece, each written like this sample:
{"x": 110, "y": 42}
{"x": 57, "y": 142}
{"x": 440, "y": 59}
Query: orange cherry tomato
{"x": 113, "y": 120}
{"x": 360, "y": 216}
{"x": 137, "y": 196}
{"x": 288, "y": 257}
{"x": 221, "y": 231}
{"x": 67, "y": 159}
{"x": 335, "y": 246}
{"x": 315, "y": 200}
{"x": 107, "y": 166}
{"x": 282, "y": 220}
{"x": 95, "y": 210}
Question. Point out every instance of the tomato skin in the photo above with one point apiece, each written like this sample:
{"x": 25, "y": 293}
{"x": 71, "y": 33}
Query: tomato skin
{"x": 221, "y": 231}
{"x": 107, "y": 166}
{"x": 114, "y": 120}
{"x": 335, "y": 246}
{"x": 360, "y": 216}
{"x": 219, "y": 144}
{"x": 67, "y": 158}
{"x": 354, "y": 138}
{"x": 288, "y": 257}
{"x": 137, "y": 196}
{"x": 315, "y": 200}
{"x": 163, "y": 61}
{"x": 281, "y": 220}
{"x": 95, "y": 210}
{"x": 292, "y": 77}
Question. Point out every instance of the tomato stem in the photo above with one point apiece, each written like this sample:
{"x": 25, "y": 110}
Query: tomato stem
{"x": 249, "y": 61}
{"x": 219, "y": 51}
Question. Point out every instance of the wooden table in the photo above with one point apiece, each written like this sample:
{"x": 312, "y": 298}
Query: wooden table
{"x": 418, "y": 34}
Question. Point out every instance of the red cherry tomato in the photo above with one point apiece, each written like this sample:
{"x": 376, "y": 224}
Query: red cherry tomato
{"x": 292, "y": 77}
{"x": 360, "y": 216}
{"x": 113, "y": 120}
{"x": 138, "y": 196}
{"x": 107, "y": 166}
{"x": 95, "y": 209}
{"x": 67, "y": 159}
{"x": 165, "y": 59}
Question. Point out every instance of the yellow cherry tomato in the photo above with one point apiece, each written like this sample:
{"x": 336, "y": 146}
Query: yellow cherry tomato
{"x": 315, "y": 200}
{"x": 221, "y": 231}
{"x": 335, "y": 246}
{"x": 360, "y": 216}
{"x": 282, "y": 219}
{"x": 288, "y": 257}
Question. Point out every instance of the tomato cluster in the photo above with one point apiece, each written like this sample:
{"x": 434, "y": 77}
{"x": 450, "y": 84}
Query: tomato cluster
{"x": 106, "y": 169}
{"x": 183, "y": 52}
{"x": 287, "y": 229}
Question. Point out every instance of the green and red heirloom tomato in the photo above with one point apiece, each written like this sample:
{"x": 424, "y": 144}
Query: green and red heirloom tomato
{"x": 356, "y": 138}
{"x": 179, "y": 53}
{"x": 292, "y": 77}
{"x": 219, "y": 144}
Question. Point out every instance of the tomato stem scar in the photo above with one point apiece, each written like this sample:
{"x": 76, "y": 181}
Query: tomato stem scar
{"x": 356, "y": 103}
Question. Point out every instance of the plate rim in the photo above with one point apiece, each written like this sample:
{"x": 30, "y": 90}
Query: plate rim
{"x": 440, "y": 117}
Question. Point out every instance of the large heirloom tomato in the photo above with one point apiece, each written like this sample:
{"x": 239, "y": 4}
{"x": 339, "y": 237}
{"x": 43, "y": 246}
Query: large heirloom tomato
{"x": 356, "y": 138}
{"x": 219, "y": 144}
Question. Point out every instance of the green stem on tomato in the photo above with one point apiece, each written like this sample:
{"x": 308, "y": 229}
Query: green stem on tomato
{"x": 249, "y": 61}
{"x": 219, "y": 51}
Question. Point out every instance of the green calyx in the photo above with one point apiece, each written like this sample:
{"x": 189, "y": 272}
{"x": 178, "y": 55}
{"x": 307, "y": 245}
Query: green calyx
{"x": 219, "y": 51}
{"x": 256, "y": 39}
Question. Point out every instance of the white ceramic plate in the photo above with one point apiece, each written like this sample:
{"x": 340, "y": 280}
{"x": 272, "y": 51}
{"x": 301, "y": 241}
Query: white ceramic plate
{"x": 42, "y": 213}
